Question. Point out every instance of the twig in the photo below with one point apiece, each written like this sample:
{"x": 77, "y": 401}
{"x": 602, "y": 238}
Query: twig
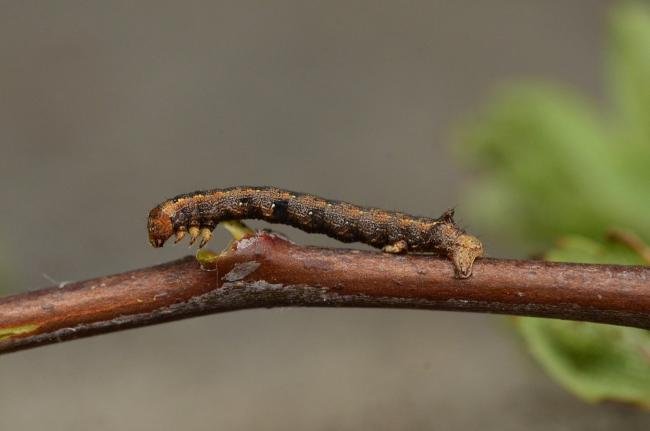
{"x": 266, "y": 270}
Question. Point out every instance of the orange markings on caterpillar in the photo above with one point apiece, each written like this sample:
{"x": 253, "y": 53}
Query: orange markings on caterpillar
{"x": 197, "y": 214}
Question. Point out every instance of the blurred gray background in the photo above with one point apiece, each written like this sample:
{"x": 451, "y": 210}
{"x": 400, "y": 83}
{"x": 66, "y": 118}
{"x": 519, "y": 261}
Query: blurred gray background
{"x": 107, "y": 108}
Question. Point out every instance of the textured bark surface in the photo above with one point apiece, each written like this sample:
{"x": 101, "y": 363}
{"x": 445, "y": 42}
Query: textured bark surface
{"x": 267, "y": 270}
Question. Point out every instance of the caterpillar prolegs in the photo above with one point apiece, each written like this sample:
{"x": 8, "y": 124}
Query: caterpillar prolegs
{"x": 197, "y": 214}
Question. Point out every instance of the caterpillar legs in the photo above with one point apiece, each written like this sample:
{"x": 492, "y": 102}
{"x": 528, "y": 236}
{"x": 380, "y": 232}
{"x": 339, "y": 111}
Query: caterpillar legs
{"x": 463, "y": 253}
{"x": 397, "y": 248}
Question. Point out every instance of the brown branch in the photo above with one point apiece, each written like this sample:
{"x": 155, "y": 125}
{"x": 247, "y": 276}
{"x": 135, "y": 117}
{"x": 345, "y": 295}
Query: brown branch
{"x": 266, "y": 270}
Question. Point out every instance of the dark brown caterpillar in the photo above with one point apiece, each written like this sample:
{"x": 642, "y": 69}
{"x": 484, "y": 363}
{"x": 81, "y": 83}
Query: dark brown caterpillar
{"x": 198, "y": 213}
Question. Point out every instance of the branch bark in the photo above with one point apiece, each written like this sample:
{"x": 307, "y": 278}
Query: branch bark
{"x": 266, "y": 270}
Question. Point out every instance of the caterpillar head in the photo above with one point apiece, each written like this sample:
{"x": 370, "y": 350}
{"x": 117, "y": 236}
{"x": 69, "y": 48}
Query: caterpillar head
{"x": 159, "y": 226}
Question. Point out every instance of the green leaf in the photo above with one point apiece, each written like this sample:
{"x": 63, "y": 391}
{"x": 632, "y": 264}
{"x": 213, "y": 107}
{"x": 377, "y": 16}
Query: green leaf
{"x": 596, "y": 362}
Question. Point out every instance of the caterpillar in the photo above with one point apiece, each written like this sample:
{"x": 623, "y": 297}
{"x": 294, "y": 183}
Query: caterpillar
{"x": 197, "y": 214}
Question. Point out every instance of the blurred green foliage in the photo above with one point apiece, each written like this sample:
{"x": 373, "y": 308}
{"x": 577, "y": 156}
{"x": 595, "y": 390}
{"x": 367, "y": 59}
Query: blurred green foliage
{"x": 551, "y": 166}
{"x": 596, "y": 362}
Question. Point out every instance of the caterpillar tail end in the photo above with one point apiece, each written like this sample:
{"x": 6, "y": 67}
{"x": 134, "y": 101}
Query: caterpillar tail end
{"x": 466, "y": 249}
